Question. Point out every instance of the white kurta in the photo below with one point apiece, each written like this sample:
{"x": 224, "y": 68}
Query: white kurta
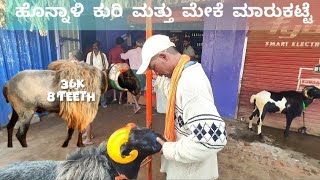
{"x": 162, "y": 99}
{"x": 200, "y": 130}
{"x": 97, "y": 60}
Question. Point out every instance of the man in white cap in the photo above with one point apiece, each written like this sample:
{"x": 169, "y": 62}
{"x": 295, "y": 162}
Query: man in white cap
{"x": 194, "y": 128}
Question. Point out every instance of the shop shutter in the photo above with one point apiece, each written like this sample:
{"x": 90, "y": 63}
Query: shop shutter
{"x": 276, "y": 69}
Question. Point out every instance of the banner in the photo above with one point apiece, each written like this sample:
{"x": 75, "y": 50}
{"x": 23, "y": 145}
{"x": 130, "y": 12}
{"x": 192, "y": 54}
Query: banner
{"x": 165, "y": 14}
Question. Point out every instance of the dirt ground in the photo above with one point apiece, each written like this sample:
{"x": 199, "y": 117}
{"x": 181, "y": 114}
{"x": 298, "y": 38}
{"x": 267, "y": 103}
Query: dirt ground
{"x": 244, "y": 157}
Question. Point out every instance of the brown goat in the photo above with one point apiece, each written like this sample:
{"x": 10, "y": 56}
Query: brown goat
{"x": 27, "y": 93}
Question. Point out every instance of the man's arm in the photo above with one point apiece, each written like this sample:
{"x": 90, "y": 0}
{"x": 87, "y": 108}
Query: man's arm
{"x": 106, "y": 61}
{"x": 88, "y": 58}
{"x": 126, "y": 55}
{"x": 207, "y": 135}
{"x": 192, "y": 54}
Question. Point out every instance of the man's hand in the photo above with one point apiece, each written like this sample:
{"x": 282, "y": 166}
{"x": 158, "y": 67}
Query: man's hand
{"x": 161, "y": 142}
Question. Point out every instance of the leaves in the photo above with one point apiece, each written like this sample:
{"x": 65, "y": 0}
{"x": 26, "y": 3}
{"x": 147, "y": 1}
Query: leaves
{"x": 7, "y": 12}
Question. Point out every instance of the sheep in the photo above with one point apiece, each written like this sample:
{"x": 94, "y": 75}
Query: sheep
{"x": 27, "y": 93}
{"x": 99, "y": 163}
{"x": 290, "y": 103}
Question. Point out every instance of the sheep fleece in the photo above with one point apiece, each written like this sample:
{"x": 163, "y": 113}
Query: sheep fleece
{"x": 83, "y": 163}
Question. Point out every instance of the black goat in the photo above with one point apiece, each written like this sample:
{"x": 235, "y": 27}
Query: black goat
{"x": 129, "y": 80}
{"x": 290, "y": 103}
{"x": 124, "y": 155}
{"x": 122, "y": 78}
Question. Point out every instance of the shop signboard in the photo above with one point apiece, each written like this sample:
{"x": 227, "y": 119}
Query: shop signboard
{"x": 310, "y": 81}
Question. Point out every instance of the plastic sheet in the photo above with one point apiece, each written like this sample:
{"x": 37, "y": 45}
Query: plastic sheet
{"x": 21, "y": 50}
{"x": 4, "y": 108}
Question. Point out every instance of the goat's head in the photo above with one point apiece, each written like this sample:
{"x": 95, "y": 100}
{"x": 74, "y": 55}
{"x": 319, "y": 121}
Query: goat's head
{"x": 311, "y": 92}
{"x": 122, "y": 78}
{"x": 129, "y": 146}
{"x": 129, "y": 80}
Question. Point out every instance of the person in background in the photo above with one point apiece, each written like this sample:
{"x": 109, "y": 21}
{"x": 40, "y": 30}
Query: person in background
{"x": 161, "y": 97}
{"x": 134, "y": 57}
{"x": 188, "y": 50}
{"x": 115, "y": 58}
{"x": 99, "y": 60}
{"x": 76, "y": 55}
{"x": 194, "y": 130}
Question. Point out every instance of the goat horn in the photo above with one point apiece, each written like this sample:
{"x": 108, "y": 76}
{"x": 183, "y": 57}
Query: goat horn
{"x": 123, "y": 67}
{"x": 116, "y": 140}
{"x": 105, "y": 77}
{"x": 116, "y": 82}
{"x": 114, "y": 73}
{"x": 305, "y": 91}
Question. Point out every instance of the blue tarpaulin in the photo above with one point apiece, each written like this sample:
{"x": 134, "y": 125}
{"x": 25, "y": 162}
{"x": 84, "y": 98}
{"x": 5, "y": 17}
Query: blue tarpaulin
{"x": 21, "y": 50}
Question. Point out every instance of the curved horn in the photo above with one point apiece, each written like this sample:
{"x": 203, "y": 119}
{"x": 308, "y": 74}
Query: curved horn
{"x": 305, "y": 91}
{"x": 114, "y": 74}
{"x": 116, "y": 140}
{"x": 116, "y": 82}
{"x": 105, "y": 78}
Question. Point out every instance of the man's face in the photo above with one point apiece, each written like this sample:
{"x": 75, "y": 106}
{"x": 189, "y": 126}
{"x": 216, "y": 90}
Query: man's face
{"x": 160, "y": 65}
{"x": 186, "y": 43}
{"x": 95, "y": 47}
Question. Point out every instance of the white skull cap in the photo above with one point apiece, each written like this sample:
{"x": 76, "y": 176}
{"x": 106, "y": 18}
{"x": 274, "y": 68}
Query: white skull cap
{"x": 151, "y": 47}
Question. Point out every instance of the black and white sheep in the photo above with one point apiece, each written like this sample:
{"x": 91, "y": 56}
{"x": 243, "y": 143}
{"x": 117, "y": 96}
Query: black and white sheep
{"x": 290, "y": 103}
{"x": 93, "y": 162}
{"x": 27, "y": 93}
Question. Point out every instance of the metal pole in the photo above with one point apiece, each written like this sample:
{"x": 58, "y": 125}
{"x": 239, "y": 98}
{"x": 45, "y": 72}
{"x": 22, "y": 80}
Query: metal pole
{"x": 149, "y": 92}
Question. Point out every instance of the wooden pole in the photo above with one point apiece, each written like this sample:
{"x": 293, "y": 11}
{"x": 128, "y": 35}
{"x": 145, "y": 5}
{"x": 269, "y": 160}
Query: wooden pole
{"x": 149, "y": 91}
